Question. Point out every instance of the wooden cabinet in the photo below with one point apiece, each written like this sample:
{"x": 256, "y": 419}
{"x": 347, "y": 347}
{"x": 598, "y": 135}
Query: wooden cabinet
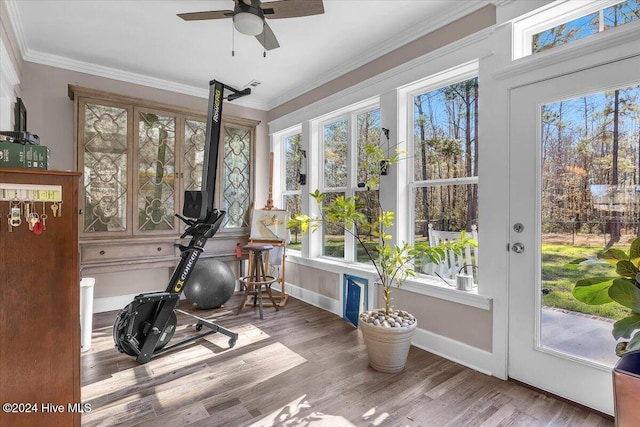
{"x": 138, "y": 157}
{"x": 39, "y": 307}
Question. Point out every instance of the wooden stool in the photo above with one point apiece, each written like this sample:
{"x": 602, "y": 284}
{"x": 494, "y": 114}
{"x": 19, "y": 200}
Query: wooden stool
{"x": 257, "y": 278}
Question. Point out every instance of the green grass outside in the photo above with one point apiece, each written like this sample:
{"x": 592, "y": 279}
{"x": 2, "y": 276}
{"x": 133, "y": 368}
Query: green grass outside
{"x": 335, "y": 248}
{"x": 560, "y": 280}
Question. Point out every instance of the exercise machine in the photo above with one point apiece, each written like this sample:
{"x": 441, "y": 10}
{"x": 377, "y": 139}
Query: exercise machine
{"x": 143, "y": 328}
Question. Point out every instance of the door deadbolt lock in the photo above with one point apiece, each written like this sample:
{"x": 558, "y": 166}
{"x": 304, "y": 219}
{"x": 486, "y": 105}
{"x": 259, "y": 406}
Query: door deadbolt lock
{"x": 517, "y": 248}
{"x": 518, "y": 228}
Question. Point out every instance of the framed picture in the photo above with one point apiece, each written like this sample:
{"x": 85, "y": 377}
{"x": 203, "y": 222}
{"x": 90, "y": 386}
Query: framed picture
{"x": 20, "y": 116}
{"x": 268, "y": 224}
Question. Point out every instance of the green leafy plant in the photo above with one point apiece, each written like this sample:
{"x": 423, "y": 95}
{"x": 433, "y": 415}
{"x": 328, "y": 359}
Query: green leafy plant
{"x": 394, "y": 263}
{"x": 623, "y": 289}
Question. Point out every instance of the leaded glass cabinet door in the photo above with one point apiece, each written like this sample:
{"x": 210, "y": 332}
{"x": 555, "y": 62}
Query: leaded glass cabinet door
{"x": 155, "y": 173}
{"x": 234, "y": 168}
{"x": 106, "y": 157}
{"x": 236, "y": 152}
{"x": 195, "y": 135}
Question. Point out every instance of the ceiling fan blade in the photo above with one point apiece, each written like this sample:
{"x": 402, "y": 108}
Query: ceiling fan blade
{"x": 213, "y": 14}
{"x": 267, "y": 38}
{"x": 292, "y": 8}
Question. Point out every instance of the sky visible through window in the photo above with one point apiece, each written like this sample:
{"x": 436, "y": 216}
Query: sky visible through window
{"x": 613, "y": 16}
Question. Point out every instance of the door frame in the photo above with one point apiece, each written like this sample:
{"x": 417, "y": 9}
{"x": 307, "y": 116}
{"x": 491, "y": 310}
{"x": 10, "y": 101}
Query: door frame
{"x": 500, "y": 74}
{"x": 585, "y": 382}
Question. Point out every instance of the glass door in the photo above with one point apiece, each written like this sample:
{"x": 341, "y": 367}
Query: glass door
{"x": 574, "y": 190}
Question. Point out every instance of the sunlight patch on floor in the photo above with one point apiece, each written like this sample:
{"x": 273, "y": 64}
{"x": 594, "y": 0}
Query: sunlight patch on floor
{"x": 378, "y": 420}
{"x": 247, "y": 334}
{"x": 193, "y": 353}
{"x": 253, "y": 368}
{"x": 261, "y": 365}
{"x": 299, "y": 412}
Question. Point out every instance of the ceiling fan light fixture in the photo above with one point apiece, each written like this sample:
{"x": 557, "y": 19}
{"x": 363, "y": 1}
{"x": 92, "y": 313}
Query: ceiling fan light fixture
{"x": 248, "y": 23}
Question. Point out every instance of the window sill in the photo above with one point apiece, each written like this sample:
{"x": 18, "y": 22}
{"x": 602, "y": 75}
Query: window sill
{"x": 422, "y": 285}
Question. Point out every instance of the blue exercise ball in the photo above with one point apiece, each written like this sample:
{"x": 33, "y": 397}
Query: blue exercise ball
{"x": 210, "y": 285}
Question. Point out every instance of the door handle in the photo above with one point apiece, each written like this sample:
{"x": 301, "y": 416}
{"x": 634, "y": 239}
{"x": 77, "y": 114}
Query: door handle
{"x": 517, "y": 248}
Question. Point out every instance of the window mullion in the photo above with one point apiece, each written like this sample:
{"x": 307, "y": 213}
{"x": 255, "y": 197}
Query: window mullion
{"x": 352, "y": 162}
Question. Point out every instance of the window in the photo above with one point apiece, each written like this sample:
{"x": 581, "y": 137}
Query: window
{"x": 335, "y": 143}
{"x": 344, "y": 174}
{"x": 294, "y": 175}
{"x": 590, "y": 173}
{"x": 368, "y": 131}
{"x": 602, "y": 20}
{"x": 571, "y": 21}
{"x": 444, "y": 158}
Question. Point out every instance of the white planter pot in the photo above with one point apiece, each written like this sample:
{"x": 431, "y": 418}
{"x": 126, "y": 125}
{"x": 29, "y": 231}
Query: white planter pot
{"x": 387, "y": 348}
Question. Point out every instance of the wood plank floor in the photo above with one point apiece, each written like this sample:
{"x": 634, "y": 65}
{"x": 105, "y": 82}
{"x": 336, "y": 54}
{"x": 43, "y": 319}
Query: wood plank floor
{"x": 299, "y": 366}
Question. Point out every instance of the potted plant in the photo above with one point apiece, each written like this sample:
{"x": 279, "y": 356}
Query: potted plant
{"x": 387, "y": 331}
{"x": 623, "y": 289}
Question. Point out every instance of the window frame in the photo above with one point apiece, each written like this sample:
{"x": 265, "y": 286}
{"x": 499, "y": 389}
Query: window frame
{"x": 282, "y": 175}
{"x": 389, "y": 90}
{"x": 556, "y": 14}
{"x": 440, "y": 80}
{"x": 351, "y": 189}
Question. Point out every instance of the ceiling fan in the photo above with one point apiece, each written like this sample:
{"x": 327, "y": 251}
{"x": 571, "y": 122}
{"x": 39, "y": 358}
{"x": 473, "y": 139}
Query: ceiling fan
{"x": 249, "y": 16}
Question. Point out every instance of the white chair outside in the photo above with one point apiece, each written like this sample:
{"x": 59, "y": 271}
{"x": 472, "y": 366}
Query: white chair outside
{"x": 453, "y": 263}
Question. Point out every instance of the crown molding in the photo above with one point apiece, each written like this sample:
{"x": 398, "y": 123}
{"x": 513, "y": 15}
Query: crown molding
{"x": 411, "y": 34}
{"x": 460, "y": 10}
{"x": 30, "y": 55}
{"x": 126, "y": 76}
{"x": 16, "y": 23}
{"x": 394, "y": 78}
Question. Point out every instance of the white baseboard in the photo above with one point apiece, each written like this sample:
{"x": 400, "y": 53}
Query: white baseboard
{"x": 453, "y": 350}
{"x": 100, "y": 305}
{"x": 471, "y": 357}
{"x": 332, "y": 305}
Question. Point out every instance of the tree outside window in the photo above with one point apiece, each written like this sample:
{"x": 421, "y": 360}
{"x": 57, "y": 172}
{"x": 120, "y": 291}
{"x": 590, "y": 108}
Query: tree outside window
{"x": 293, "y": 158}
{"x": 604, "y": 19}
{"x": 345, "y": 174}
{"x": 445, "y": 158}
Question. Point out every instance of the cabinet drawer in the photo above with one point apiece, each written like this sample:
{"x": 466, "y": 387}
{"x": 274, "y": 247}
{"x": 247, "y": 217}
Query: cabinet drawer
{"x": 129, "y": 251}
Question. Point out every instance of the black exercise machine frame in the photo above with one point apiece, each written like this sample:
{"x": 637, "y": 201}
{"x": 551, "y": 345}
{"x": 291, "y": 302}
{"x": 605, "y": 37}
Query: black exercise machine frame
{"x": 158, "y": 329}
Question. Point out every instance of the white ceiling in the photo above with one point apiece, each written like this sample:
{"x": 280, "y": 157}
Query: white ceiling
{"x": 143, "y": 41}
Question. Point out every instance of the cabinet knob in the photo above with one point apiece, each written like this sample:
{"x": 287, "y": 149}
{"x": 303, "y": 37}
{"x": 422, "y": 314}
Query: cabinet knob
{"x": 101, "y": 252}
{"x": 159, "y": 249}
